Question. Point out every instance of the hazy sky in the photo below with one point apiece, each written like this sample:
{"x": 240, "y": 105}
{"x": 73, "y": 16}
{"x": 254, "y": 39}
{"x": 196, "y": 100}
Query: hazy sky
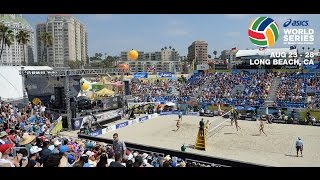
{"x": 114, "y": 33}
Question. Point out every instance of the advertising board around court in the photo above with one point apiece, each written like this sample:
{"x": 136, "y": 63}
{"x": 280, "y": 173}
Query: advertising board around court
{"x": 207, "y": 114}
{"x": 193, "y": 114}
{"x": 121, "y": 125}
{"x": 164, "y": 74}
{"x": 143, "y": 118}
{"x": 138, "y": 75}
{"x": 96, "y": 133}
{"x": 170, "y": 112}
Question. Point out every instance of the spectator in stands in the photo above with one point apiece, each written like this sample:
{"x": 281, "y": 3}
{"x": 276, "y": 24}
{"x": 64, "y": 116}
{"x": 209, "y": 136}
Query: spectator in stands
{"x": 3, "y": 138}
{"x": 119, "y": 147}
{"x": 57, "y": 145}
{"x": 117, "y": 162}
{"x": 45, "y": 153}
{"x": 5, "y": 150}
{"x": 34, "y": 157}
{"x": 103, "y": 161}
{"x": 52, "y": 161}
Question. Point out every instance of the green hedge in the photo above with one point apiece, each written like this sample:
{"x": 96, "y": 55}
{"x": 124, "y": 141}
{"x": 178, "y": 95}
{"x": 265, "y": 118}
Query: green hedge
{"x": 314, "y": 112}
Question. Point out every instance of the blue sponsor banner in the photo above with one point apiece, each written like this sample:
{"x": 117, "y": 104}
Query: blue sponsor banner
{"x": 140, "y": 75}
{"x": 121, "y": 125}
{"x": 166, "y": 113}
{"x": 170, "y": 112}
{"x": 143, "y": 118}
{"x": 96, "y": 133}
{"x": 165, "y": 74}
{"x": 193, "y": 113}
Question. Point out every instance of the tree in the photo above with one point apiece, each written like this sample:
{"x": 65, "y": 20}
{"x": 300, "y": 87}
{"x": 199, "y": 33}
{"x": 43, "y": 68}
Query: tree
{"x": 170, "y": 47}
{"x": 46, "y": 39}
{"x": 75, "y": 64}
{"x": 209, "y": 56}
{"x": 6, "y": 37}
{"x": 165, "y": 48}
{"x": 303, "y": 49}
{"x": 215, "y": 54}
{"x": 23, "y": 39}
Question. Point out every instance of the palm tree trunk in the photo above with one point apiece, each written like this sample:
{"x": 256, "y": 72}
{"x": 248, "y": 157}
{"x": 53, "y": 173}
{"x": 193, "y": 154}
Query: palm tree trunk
{"x": 42, "y": 56}
{"x": 24, "y": 56}
{"x": 2, "y": 43}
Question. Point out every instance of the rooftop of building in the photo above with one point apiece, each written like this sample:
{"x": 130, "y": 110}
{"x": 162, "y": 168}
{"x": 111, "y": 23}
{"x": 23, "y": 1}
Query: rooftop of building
{"x": 14, "y": 18}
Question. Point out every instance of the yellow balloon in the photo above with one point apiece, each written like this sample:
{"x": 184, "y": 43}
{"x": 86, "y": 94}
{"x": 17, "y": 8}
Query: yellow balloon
{"x": 133, "y": 55}
{"x": 84, "y": 86}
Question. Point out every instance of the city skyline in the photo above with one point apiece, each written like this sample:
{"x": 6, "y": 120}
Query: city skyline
{"x": 113, "y": 33}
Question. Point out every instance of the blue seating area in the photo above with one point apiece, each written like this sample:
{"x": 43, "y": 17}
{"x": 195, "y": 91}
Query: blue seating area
{"x": 290, "y": 81}
{"x": 282, "y": 103}
{"x": 233, "y": 102}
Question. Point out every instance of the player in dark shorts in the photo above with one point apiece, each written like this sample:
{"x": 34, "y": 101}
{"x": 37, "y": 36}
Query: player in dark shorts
{"x": 299, "y": 146}
{"x": 201, "y": 125}
{"x": 178, "y": 124}
{"x": 180, "y": 115}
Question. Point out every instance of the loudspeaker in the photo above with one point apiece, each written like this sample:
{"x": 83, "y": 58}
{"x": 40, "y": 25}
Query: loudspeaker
{"x": 73, "y": 109}
{"x": 64, "y": 122}
{"x": 59, "y": 97}
{"x": 126, "y": 88}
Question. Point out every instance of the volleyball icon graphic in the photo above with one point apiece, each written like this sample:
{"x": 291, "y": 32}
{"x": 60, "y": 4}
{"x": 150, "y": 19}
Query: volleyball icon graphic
{"x": 263, "y": 32}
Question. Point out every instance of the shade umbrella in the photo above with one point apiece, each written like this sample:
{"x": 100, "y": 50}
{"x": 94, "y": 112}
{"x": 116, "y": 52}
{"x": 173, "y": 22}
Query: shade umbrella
{"x": 239, "y": 107}
{"x": 250, "y": 108}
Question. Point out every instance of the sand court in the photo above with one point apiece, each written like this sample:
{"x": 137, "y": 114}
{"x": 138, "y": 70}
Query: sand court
{"x": 223, "y": 140}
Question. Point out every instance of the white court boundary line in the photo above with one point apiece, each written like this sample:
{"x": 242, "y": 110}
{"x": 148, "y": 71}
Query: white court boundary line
{"x": 220, "y": 123}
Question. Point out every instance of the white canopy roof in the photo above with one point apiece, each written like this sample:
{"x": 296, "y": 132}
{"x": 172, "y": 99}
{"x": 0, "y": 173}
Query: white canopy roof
{"x": 11, "y": 81}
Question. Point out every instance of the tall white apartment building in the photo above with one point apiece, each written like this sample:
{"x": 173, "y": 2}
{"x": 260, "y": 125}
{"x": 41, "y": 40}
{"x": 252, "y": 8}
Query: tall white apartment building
{"x": 14, "y": 55}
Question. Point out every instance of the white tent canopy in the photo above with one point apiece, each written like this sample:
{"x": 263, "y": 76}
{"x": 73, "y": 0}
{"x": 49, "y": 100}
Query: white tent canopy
{"x": 11, "y": 81}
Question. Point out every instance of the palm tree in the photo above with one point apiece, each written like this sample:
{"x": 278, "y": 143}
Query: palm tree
{"x": 215, "y": 54}
{"x": 209, "y": 56}
{"x": 165, "y": 47}
{"x": 6, "y": 37}
{"x": 308, "y": 48}
{"x": 162, "y": 49}
{"x": 173, "y": 49}
{"x": 46, "y": 39}
{"x": 23, "y": 38}
{"x": 303, "y": 49}
{"x": 170, "y": 47}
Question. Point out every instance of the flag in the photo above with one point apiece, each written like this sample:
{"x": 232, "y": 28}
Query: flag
{"x": 57, "y": 127}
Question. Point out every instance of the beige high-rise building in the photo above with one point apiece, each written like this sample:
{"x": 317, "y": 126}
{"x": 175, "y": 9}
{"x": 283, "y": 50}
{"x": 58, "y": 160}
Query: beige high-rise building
{"x": 41, "y": 51}
{"x": 16, "y": 53}
{"x": 198, "y": 52}
{"x": 69, "y": 40}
